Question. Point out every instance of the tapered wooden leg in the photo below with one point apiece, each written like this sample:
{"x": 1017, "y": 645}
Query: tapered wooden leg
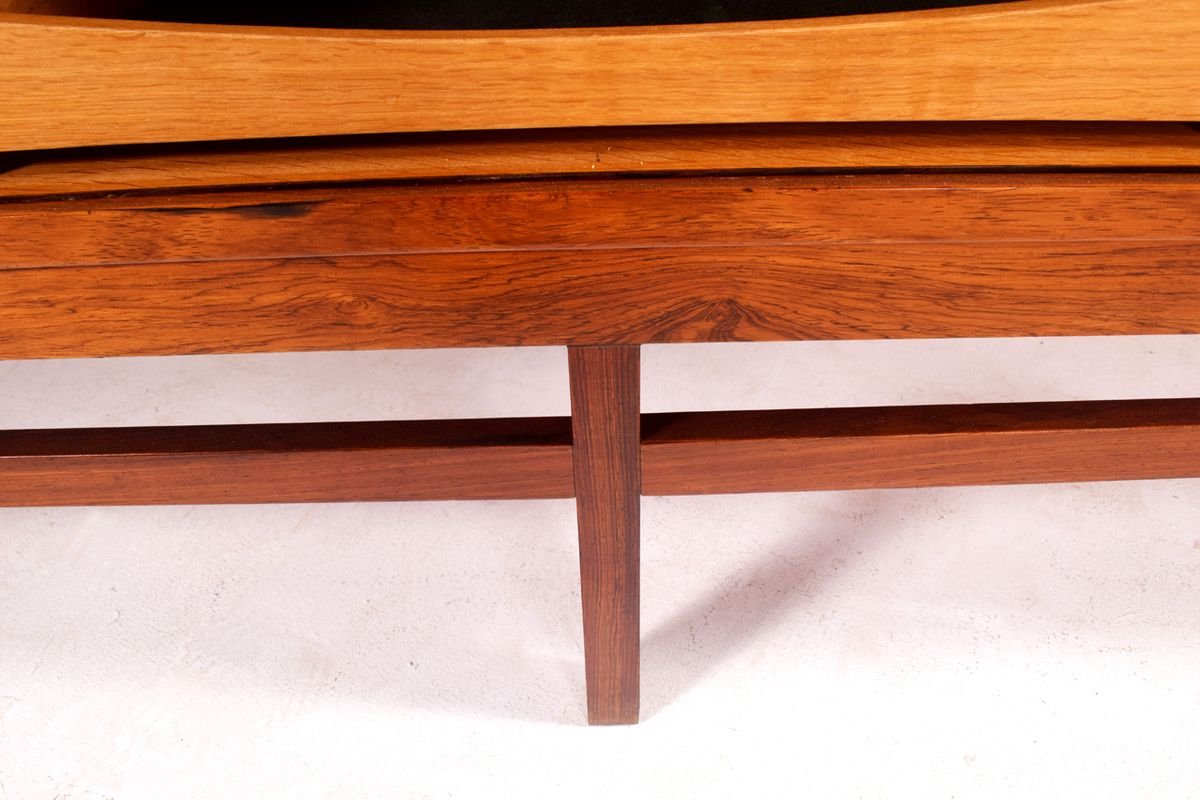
{"x": 608, "y": 476}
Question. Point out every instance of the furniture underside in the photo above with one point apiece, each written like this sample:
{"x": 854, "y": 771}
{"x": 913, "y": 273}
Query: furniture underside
{"x": 770, "y": 234}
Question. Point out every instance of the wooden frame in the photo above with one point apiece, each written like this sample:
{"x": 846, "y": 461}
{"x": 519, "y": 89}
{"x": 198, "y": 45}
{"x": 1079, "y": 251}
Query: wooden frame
{"x": 606, "y": 465}
{"x": 72, "y": 81}
{"x": 210, "y": 260}
{"x": 600, "y": 262}
{"x": 741, "y": 451}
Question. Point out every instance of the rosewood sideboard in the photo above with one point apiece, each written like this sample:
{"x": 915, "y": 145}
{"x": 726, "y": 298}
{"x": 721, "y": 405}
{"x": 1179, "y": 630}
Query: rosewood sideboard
{"x": 173, "y": 185}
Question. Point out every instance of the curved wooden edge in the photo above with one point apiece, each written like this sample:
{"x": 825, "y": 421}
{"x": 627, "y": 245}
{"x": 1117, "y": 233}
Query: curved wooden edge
{"x": 107, "y": 14}
{"x": 607, "y": 151}
{"x": 90, "y": 82}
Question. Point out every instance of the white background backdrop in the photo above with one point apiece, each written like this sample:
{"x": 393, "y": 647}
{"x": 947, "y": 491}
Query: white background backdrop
{"x": 1039, "y": 641}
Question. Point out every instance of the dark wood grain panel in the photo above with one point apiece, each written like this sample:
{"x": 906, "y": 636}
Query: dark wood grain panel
{"x": 603, "y": 297}
{"x": 914, "y": 446}
{"x": 797, "y": 211}
{"x": 605, "y": 392}
{"x": 287, "y": 463}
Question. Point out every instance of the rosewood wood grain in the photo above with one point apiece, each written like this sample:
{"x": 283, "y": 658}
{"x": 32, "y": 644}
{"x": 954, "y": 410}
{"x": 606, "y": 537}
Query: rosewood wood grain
{"x": 681, "y": 453}
{"x": 633, "y": 296}
{"x": 288, "y": 463}
{"x": 605, "y": 394}
{"x": 914, "y": 446}
{"x": 607, "y": 151}
{"x": 738, "y": 211}
{"x": 74, "y": 82}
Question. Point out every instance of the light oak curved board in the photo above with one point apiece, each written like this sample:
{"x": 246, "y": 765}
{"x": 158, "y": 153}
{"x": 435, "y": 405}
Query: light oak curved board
{"x": 73, "y": 81}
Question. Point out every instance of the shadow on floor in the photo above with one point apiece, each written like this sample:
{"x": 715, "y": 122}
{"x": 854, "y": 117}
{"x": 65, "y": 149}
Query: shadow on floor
{"x": 753, "y": 598}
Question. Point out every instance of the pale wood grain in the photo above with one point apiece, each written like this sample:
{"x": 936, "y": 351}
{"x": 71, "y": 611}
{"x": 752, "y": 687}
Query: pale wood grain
{"x": 75, "y": 82}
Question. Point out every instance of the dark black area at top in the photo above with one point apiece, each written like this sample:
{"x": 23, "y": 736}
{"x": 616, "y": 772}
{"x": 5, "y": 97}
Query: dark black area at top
{"x": 484, "y": 14}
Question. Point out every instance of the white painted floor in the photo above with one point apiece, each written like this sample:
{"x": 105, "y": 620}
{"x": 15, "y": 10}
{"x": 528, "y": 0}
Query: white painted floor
{"x": 1014, "y": 642}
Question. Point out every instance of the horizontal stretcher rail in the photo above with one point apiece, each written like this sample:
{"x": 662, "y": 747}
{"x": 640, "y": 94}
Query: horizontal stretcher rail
{"x": 287, "y": 463}
{"x": 682, "y": 453}
{"x": 915, "y": 446}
